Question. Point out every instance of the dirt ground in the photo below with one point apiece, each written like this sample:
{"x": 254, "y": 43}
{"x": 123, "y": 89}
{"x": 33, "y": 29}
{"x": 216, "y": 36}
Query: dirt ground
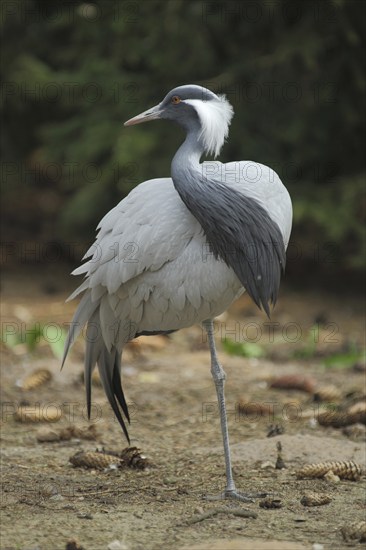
{"x": 46, "y": 501}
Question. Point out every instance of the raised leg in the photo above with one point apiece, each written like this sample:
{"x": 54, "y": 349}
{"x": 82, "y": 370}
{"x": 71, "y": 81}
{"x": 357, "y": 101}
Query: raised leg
{"x": 219, "y": 377}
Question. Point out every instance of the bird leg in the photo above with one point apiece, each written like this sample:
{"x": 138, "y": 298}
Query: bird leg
{"x": 219, "y": 377}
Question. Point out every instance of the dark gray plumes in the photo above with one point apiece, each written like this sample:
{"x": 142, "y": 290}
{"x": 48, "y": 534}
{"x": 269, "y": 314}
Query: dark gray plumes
{"x": 240, "y": 232}
{"x": 109, "y": 366}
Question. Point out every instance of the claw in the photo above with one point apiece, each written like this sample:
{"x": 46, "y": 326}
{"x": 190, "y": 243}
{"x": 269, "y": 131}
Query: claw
{"x": 235, "y": 495}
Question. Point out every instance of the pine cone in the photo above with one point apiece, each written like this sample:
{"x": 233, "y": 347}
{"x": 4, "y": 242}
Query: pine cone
{"x": 294, "y": 382}
{"x": 340, "y": 419}
{"x": 37, "y": 413}
{"x": 315, "y": 499}
{"x": 358, "y": 407}
{"x": 94, "y": 459}
{"x": 270, "y": 503}
{"x": 255, "y": 408}
{"x": 344, "y": 470}
{"x": 327, "y": 394}
{"x": 47, "y": 435}
{"x": 129, "y": 457}
{"x": 354, "y": 531}
{"x": 132, "y": 458}
{"x": 35, "y": 379}
{"x": 87, "y": 432}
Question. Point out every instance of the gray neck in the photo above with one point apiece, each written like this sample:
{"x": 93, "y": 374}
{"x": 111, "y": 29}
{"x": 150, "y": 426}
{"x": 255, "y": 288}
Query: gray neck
{"x": 186, "y": 161}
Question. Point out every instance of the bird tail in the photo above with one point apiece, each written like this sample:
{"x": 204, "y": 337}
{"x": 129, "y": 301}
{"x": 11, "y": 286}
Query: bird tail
{"x": 109, "y": 366}
{"x": 97, "y": 353}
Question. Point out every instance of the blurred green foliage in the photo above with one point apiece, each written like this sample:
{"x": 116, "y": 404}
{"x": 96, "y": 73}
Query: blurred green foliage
{"x": 345, "y": 360}
{"x": 243, "y": 349}
{"x": 74, "y": 71}
{"x": 35, "y": 336}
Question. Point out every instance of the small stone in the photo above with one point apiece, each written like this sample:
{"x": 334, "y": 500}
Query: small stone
{"x": 73, "y": 545}
{"x": 317, "y": 546}
{"x": 267, "y": 465}
{"x": 354, "y": 531}
{"x": 57, "y": 497}
{"x": 356, "y": 431}
{"x": 275, "y": 429}
{"x": 170, "y": 480}
{"x": 117, "y": 545}
{"x": 47, "y": 435}
{"x": 331, "y": 477}
{"x": 84, "y": 516}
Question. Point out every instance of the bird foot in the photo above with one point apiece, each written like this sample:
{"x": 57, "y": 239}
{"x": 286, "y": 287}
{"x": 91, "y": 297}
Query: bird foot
{"x": 235, "y": 495}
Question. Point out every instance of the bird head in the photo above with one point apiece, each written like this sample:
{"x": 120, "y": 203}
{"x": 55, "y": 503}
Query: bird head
{"x": 196, "y": 109}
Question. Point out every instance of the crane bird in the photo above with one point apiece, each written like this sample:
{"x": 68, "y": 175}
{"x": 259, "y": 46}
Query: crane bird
{"x": 178, "y": 251}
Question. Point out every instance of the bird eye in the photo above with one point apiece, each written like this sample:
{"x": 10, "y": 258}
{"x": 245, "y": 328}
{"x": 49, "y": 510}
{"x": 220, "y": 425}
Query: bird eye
{"x": 175, "y": 99}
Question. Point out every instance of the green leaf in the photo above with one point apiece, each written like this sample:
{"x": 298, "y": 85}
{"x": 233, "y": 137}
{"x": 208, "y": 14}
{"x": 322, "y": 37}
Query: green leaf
{"x": 344, "y": 360}
{"x": 243, "y": 349}
{"x": 58, "y": 345}
{"x": 32, "y": 337}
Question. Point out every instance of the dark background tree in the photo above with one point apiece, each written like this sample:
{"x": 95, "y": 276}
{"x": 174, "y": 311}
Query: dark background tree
{"x": 74, "y": 71}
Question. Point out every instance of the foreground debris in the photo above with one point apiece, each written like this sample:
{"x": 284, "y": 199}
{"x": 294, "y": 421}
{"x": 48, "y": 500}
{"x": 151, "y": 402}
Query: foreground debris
{"x": 354, "y": 531}
{"x": 241, "y": 512}
{"x": 280, "y": 463}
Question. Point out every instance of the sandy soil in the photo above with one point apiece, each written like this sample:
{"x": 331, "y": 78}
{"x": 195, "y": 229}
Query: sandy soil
{"x": 46, "y": 501}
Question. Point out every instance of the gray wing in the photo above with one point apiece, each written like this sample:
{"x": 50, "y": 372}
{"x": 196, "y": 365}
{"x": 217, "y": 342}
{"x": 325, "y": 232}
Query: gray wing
{"x": 148, "y": 229}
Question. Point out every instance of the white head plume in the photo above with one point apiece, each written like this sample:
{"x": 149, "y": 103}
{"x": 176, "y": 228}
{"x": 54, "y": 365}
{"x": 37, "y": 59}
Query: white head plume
{"x": 215, "y": 116}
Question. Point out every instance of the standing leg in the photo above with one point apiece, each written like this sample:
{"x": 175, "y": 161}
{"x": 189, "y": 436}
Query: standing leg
{"x": 219, "y": 376}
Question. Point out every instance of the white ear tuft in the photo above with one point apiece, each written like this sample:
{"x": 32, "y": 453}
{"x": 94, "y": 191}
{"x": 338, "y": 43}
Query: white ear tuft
{"x": 215, "y": 116}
